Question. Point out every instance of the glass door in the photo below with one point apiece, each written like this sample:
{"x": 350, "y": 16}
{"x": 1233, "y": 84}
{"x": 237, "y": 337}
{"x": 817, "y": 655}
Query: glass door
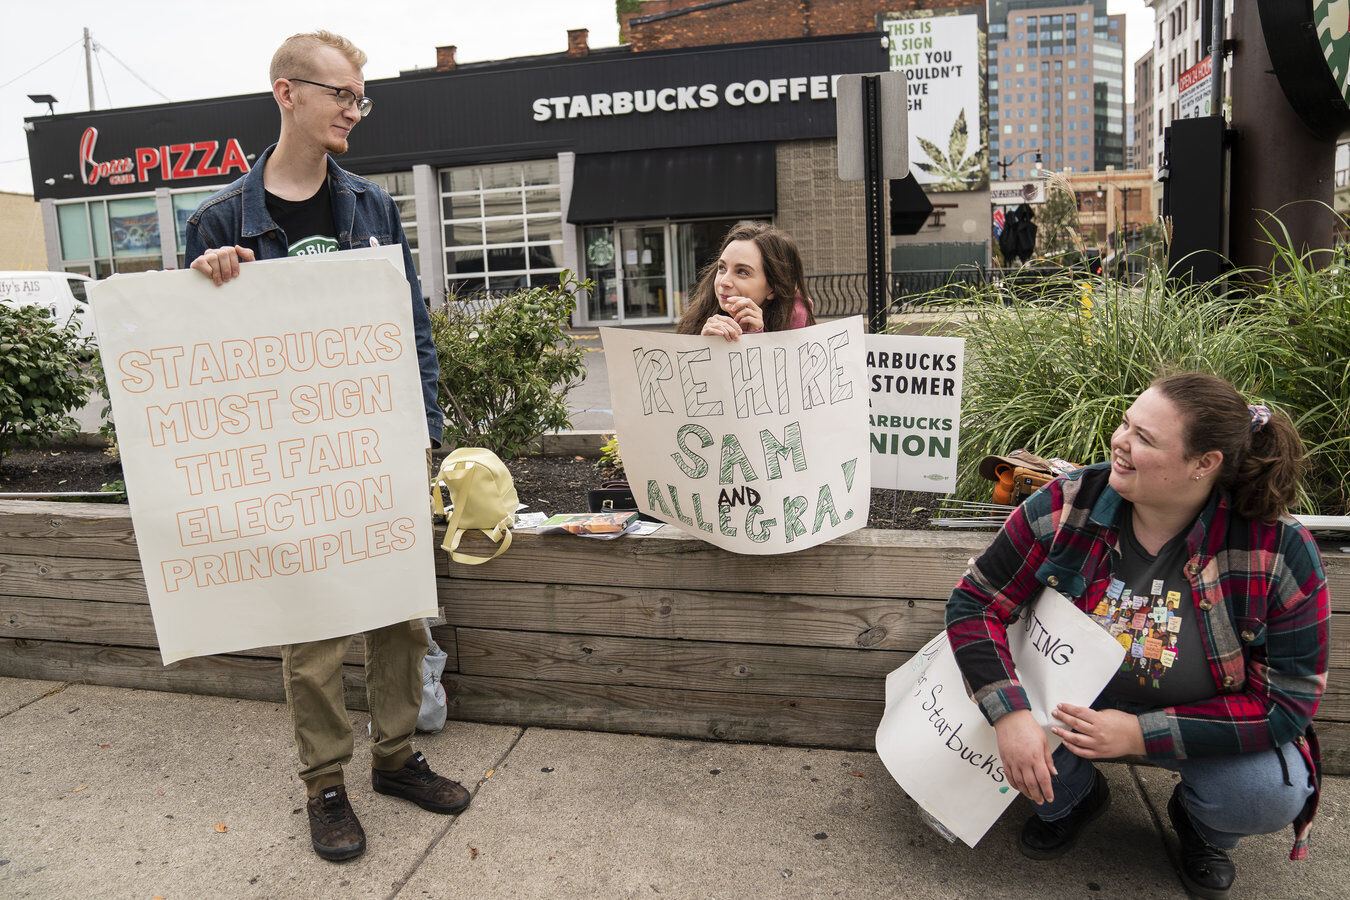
{"x": 603, "y": 303}
{"x": 646, "y": 296}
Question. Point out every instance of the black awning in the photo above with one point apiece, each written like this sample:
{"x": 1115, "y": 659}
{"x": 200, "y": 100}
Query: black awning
{"x": 682, "y": 182}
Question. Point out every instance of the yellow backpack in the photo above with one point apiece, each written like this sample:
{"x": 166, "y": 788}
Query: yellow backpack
{"x": 483, "y": 497}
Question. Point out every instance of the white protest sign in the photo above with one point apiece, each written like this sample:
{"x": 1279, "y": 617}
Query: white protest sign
{"x": 758, "y": 446}
{"x": 937, "y": 744}
{"x": 273, "y": 441}
{"x": 914, "y": 421}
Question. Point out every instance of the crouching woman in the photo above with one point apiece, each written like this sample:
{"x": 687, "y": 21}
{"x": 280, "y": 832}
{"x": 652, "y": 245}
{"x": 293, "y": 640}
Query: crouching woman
{"x": 1182, "y": 548}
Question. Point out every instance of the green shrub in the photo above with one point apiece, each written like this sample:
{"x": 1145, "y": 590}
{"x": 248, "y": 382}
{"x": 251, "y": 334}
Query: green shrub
{"x": 507, "y": 366}
{"x": 42, "y": 377}
{"x": 610, "y": 460}
{"x": 1053, "y": 373}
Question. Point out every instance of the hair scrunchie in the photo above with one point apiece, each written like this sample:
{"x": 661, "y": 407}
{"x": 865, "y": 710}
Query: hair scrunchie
{"x": 1260, "y": 416}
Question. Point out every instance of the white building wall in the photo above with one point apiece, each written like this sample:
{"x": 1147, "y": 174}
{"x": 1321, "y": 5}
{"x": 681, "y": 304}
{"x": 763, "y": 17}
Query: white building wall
{"x": 1178, "y": 27}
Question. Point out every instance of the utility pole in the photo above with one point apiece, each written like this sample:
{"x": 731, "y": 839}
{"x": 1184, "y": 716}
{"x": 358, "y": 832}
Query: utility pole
{"x": 89, "y": 66}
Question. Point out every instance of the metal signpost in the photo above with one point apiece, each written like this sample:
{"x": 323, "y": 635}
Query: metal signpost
{"x": 873, "y": 148}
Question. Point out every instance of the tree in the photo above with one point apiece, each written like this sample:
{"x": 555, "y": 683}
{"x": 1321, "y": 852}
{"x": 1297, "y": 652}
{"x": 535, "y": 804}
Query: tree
{"x": 1058, "y": 221}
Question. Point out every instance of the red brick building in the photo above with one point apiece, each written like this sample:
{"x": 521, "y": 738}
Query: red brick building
{"x": 667, "y": 24}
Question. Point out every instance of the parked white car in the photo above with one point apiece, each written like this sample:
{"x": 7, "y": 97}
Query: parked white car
{"x": 62, "y": 293}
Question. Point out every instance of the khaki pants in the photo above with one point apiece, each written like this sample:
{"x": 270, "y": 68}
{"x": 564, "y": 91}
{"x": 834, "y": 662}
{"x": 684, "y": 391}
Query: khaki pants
{"x": 323, "y": 734}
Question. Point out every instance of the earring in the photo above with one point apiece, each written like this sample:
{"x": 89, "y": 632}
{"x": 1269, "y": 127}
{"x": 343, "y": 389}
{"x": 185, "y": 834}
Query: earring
{"x": 1197, "y": 477}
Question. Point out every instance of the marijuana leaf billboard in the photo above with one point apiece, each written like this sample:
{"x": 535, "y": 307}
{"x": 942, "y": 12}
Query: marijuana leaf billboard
{"x": 942, "y": 57}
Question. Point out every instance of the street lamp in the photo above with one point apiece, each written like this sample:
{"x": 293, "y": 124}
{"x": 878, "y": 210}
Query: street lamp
{"x": 1005, "y": 162}
{"x": 47, "y": 99}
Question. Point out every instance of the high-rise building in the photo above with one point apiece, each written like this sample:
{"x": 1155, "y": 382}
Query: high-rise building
{"x": 1181, "y": 46}
{"x": 1140, "y": 153}
{"x": 1056, "y": 85}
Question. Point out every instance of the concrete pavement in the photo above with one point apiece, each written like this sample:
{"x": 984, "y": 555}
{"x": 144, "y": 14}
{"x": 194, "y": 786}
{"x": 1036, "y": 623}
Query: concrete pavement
{"x": 588, "y": 404}
{"x": 125, "y": 793}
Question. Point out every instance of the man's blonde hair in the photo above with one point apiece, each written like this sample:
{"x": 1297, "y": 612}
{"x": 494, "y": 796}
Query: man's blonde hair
{"x": 295, "y": 57}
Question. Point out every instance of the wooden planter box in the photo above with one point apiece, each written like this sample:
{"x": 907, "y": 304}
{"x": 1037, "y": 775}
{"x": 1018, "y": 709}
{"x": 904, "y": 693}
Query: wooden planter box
{"x": 659, "y": 635}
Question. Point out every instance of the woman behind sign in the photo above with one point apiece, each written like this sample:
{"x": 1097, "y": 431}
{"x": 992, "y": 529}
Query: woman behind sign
{"x": 1181, "y": 547}
{"x": 757, "y": 284}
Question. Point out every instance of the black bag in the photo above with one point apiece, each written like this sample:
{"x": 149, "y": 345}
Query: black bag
{"x": 613, "y": 496}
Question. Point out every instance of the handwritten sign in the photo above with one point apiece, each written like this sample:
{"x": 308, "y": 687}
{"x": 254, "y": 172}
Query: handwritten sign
{"x": 937, "y": 744}
{"x": 914, "y": 417}
{"x": 757, "y": 446}
{"x": 273, "y": 442}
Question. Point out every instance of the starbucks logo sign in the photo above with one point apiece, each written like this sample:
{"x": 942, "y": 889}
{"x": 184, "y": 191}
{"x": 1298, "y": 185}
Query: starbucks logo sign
{"x": 600, "y": 252}
{"x": 1332, "y": 19}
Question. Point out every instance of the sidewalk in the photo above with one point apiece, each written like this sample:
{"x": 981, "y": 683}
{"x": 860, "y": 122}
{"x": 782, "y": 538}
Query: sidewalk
{"x": 125, "y": 793}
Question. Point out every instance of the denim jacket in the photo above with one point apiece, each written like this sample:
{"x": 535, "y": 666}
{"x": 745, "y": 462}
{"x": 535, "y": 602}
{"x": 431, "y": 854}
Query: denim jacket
{"x": 361, "y": 211}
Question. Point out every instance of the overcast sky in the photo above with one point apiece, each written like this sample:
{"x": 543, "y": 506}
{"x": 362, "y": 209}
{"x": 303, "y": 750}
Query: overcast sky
{"x": 181, "y": 51}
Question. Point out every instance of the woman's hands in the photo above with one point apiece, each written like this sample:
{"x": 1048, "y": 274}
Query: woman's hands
{"x": 223, "y": 264}
{"x": 742, "y": 316}
{"x": 1026, "y": 755}
{"x": 1097, "y": 733}
{"x": 723, "y": 325}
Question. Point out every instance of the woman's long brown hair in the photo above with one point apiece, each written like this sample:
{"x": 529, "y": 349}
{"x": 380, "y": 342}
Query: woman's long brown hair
{"x": 783, "y": 270}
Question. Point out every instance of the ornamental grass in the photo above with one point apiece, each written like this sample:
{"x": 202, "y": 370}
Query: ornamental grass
{"x": 1053, "y": 362}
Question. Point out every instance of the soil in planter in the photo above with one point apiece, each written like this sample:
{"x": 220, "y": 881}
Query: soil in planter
{"x": 77, "y": 469}
{"x": 552, "y": 484}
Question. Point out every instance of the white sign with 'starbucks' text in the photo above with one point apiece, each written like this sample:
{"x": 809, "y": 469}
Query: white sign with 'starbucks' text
{"x": 937, "y": 744}
{"x": 914, "y": 414}
{"x": 273, "y": 438}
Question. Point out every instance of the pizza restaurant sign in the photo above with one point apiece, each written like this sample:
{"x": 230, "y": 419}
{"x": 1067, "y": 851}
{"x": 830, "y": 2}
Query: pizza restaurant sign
{"x": 170, "y": 162}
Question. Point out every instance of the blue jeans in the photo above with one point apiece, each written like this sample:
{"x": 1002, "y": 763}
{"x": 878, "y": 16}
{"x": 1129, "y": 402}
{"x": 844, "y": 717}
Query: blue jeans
{"x": 1227, "y": 797}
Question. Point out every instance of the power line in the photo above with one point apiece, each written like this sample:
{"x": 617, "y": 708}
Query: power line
{"x": 102, "y": 48}
{"x": 104, "y": 78}
{"x": 43, "y": 63}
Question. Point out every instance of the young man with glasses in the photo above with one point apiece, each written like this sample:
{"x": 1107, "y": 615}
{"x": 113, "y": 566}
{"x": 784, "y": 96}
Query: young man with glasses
{"x": 297, "y": 200}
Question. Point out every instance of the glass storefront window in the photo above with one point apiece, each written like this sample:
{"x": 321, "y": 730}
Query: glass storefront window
{"x": 98, "y": 218}
{"x": 503, "y": 226}
{"x": 73, "y": 222}
{"x": 399, "y": 185}
{"x": 100, "y": 237}
{"x": 185, "y": 203}
{"x": 134, "y": 226}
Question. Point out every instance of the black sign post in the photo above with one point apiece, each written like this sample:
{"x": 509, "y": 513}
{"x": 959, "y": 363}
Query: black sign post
{"x": 874, "y": 187}
{"x": 873, "y": 133}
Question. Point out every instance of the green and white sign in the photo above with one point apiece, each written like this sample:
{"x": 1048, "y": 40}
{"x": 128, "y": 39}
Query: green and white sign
{"x": 914, "y": 411}
{"x": 1332, "y": 19}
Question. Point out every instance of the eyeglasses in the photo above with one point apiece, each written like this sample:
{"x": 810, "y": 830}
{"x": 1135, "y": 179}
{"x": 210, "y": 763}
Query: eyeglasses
{"x": 345, "y": 98}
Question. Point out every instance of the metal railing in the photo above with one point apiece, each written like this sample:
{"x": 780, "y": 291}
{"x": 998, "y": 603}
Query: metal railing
{"x": 846, "y": 294}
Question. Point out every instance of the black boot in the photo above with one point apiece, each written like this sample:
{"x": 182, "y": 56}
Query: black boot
{"x": 1205, "y": 869}
{"x": 1051, "y": 840}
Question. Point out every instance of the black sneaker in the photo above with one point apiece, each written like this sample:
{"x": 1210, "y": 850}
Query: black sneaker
{"x": 416, "y": 782}
{"x": 1051, "y": 840}
{"x": 333, "y": 827}
{"x": 1205, "y": 869}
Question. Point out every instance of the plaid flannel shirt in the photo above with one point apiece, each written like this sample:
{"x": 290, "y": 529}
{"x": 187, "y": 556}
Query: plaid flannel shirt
{"x": 1264, "y": 617}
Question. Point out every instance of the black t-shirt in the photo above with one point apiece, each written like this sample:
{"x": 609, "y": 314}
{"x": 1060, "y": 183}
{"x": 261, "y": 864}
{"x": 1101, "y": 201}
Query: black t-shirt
{"x": 307, "y": 224}
{"x": 1150, "y": 610}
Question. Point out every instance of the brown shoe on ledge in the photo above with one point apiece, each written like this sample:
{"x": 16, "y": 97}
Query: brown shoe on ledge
{"x": 333, "y": 826}
{"x": 416, "y": 782}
